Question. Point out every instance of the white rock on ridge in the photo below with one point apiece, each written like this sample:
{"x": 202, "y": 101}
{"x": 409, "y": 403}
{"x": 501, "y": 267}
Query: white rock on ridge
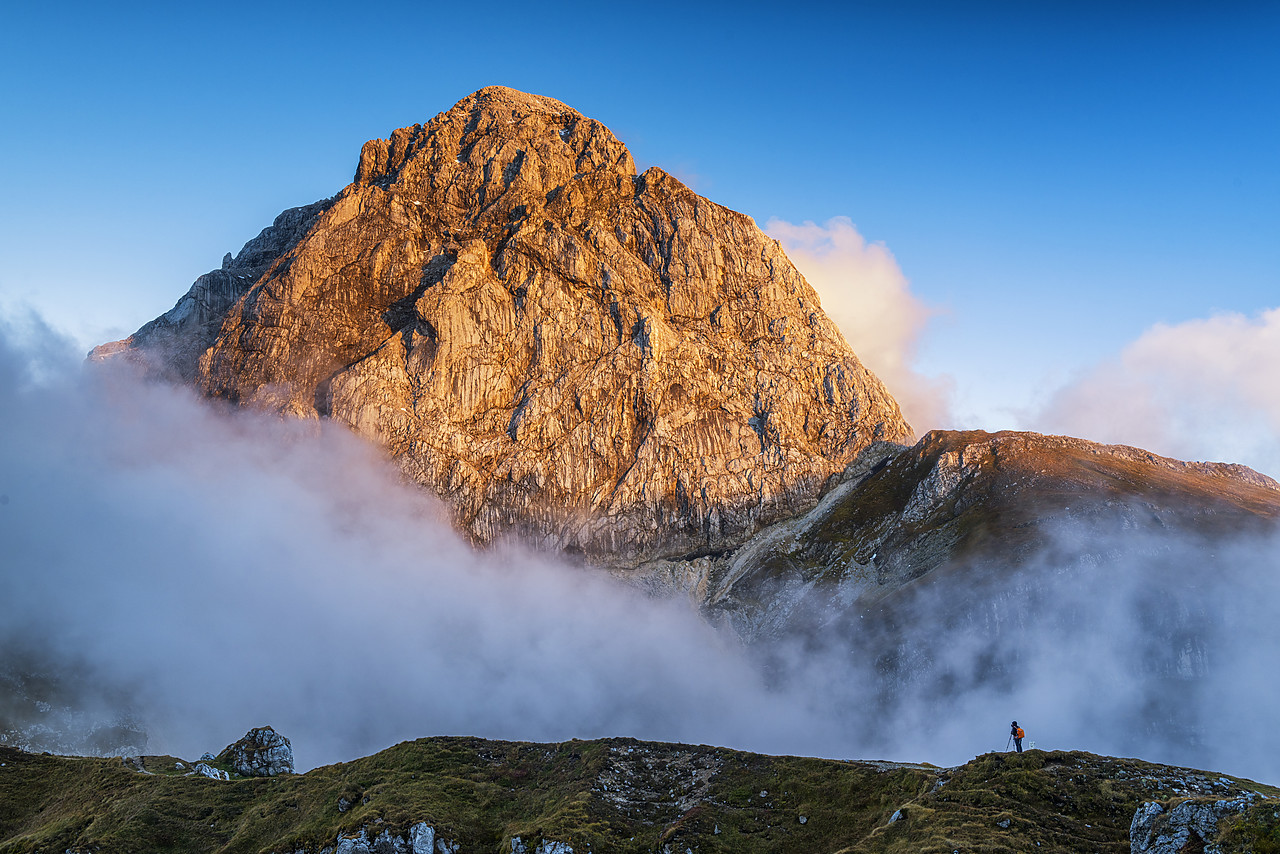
{"x": 422, "y": 838}
{"x": 206, "y": 770}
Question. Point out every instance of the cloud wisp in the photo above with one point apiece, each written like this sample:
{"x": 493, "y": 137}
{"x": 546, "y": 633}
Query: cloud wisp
{"x": 864, "y": 291}
{"x": 1204, "y": 389}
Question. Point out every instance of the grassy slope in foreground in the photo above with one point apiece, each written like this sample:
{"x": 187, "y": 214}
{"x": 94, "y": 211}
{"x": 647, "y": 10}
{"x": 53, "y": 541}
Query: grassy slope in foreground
{"x": 609, "y": 795}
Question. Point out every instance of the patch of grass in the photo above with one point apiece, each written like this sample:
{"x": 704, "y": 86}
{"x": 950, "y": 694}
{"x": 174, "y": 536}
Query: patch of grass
{"x": 1256, "y": 831}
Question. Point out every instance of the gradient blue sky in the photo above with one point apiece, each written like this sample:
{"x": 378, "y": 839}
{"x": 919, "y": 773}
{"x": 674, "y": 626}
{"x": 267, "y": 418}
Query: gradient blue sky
{"x": 1053, "y": 178}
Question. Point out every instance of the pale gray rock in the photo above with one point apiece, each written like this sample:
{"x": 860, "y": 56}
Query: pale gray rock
{"x": 422, "y": 838}
{"x": 1189, "y": 825}
{"x": 262, "y": 752}
{"x": 205, "y": 770}
{"x": 545, "y": 846}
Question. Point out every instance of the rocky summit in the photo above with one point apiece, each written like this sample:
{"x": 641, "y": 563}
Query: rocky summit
{"x": 594, "y": 361}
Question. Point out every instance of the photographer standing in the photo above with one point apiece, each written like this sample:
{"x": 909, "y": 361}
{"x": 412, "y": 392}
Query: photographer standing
{"x": 1017, "y": 734}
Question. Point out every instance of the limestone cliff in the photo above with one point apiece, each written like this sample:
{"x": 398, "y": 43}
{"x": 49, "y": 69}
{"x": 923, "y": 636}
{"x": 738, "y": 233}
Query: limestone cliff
{"x": 592, "y": 360}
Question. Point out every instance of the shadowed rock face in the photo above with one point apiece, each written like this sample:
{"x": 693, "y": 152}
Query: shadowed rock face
{"x": 590, "y": 360}
{"x": 171, "y": 345}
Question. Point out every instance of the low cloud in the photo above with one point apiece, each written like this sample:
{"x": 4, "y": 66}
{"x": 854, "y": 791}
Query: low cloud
{"x": 1205, "y": 389}
{"x": 865, "y": 292}
{"x": 202, "y": 571}
{"x": 1154, "y": 644}
{"x": 222, "y": 570}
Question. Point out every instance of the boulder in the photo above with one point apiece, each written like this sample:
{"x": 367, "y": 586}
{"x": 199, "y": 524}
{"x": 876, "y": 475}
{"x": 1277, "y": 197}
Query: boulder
{"x": 262, "y": 752}
{"x": 203, "y": 769}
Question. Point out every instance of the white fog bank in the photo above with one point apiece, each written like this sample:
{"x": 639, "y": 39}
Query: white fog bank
{"x": 235, "y": 570}
{"x": 221, "y": 570}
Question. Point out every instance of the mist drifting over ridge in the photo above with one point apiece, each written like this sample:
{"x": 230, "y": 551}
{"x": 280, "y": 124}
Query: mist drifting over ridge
{"x": 223, "y": 570}
{"x": 236, "y": 569}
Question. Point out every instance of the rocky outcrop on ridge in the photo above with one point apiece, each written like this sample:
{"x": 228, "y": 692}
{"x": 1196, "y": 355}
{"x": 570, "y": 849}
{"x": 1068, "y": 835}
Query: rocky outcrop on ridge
{"x": 592, "y": 360}
{"x": 418, "y": 839}
{"x": 1190, "y": 825}
{"x": 262, "y": 752}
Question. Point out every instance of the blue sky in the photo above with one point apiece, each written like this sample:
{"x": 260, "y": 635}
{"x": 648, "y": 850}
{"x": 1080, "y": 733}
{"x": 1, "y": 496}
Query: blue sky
{"x": 1053, "y": 181}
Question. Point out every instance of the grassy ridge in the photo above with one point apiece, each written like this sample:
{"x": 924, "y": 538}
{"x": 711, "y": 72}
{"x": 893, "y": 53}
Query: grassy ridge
{"x": 607, "y": 795}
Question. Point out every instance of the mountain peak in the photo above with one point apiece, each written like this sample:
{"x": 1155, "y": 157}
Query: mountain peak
{"x": 491, "y": 140}
{"x": 564, "y": 351}
{"x": 503, "y": 98}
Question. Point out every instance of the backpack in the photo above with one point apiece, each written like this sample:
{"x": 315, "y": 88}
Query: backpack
{"x": 1019, "y": 733}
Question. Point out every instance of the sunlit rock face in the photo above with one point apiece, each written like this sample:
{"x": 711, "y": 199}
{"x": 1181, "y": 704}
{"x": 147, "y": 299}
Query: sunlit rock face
{"x": 591, "y": 360}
